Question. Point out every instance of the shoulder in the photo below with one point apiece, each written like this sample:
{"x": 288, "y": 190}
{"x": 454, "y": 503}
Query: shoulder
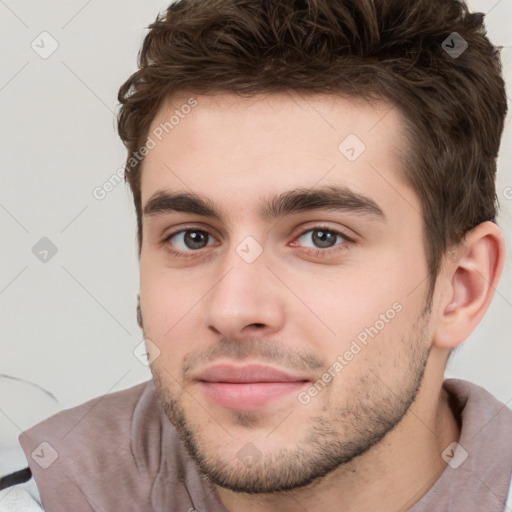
{"x": 115, "y": 452}
{"x": 90, "y": 417}
{"x": 101, "y": 423}
{"x": 463, "y": 393}
{"x": 114, "y": 410}
{"x": 104, "y": 442}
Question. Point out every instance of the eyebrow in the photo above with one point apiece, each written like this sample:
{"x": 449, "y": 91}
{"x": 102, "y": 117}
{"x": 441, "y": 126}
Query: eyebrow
{"x": 292, "y": 201}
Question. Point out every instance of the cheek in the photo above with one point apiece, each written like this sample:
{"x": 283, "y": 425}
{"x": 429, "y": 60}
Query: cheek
{"x": 164, "y": 298}
{"x": 363, "y": 307}
{"x": 165, "y": 314}
{"x": 379, "y": 357}
{"x": 353, "y": 297}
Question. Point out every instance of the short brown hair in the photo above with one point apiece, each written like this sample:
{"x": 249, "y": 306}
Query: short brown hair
{"x": 454, "y": 106}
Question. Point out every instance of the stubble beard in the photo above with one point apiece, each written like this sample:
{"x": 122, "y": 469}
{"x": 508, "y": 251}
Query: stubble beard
{"x": 335, "y": 436}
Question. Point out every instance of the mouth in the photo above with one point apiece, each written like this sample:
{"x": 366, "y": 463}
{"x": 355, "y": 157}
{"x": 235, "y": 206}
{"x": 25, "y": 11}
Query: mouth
{"x": 249, "y": 387}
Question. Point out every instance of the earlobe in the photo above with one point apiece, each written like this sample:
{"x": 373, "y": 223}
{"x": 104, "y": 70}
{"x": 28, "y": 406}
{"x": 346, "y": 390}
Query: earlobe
{"x": 471, "y": 280}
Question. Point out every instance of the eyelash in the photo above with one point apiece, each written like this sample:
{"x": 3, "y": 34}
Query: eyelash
{"x": 309, "y": 252}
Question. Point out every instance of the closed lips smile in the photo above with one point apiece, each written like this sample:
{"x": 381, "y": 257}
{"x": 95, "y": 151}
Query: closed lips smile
{"x": 247, "y": 388}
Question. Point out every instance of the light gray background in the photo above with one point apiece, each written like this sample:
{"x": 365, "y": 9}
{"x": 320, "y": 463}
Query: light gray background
{"x": 69, "y": 324}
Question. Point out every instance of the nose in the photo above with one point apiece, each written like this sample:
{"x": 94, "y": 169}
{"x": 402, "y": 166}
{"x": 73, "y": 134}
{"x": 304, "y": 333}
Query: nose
{"x": 246, "y": 300}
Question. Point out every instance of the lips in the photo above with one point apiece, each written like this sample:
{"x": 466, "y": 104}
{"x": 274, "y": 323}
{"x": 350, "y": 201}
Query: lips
{"x": 246, "y": 374}
{"x": 247, "y": 388}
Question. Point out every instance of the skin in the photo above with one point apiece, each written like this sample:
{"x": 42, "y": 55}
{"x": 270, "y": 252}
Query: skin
{"x": 374, "y": 436}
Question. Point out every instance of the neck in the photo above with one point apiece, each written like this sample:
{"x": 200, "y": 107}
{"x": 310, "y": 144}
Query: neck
{"x": 392, "y": 475}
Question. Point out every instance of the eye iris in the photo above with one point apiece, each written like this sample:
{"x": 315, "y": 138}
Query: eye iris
{"x": 324, "y": 238}
{"x": 192, "y": 238}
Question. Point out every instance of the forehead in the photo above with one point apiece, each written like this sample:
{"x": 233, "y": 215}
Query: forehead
{"x": 236, "y": 150}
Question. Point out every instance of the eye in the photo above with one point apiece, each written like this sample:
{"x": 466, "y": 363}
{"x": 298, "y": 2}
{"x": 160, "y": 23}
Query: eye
{"x": 322, "y": 239}
{"x": 187, "y": 240}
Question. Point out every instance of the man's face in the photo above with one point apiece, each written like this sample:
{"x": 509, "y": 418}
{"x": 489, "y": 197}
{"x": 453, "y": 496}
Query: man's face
{"x": 331, "y": 297}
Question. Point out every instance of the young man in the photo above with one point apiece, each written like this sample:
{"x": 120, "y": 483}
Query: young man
{"x": 314, "y": 187}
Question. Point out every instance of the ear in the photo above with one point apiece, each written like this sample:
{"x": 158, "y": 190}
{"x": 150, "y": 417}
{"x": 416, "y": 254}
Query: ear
{"x": 467, "y": 283}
